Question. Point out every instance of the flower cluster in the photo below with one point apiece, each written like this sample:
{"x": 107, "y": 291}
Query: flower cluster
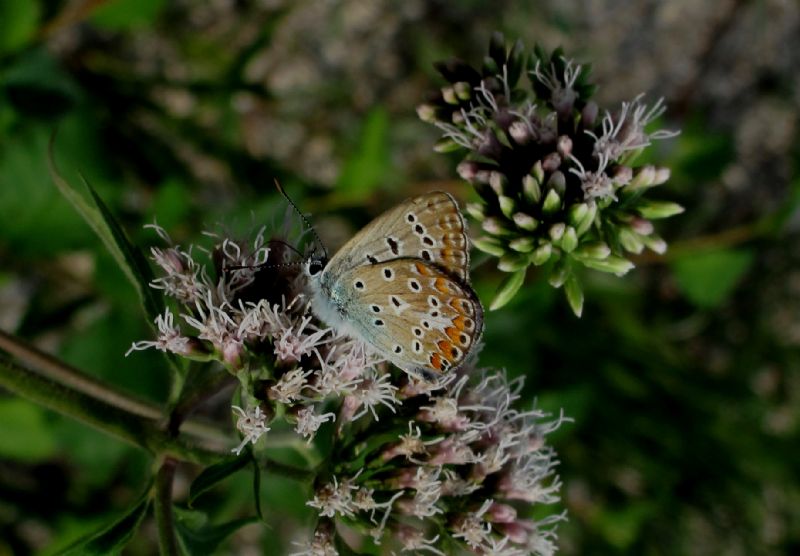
{"x": 556, "y": 177}
{"x": 251, "y": 314}
{"x": 416, "y": 465}
{"x": 457, "y": 466}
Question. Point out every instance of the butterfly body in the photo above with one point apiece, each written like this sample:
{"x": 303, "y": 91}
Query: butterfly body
{"x": 401, "y": 285}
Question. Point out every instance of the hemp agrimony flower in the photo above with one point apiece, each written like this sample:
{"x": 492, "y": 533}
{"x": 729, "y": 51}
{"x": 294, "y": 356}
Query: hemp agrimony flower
{"x": 412, "y": 464}
{"x": 557, "y": 178}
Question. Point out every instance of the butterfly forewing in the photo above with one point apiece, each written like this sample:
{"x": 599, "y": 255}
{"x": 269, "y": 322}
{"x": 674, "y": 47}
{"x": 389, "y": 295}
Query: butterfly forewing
{"x": 429, "y": 227}
{"x": 417, "y": 315}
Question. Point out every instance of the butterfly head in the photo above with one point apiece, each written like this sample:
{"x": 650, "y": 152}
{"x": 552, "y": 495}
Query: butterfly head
{"x": 314, "y": 265}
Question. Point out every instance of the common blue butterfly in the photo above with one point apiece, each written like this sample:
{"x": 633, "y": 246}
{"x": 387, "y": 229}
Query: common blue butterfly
{"x": 401, "y": 285}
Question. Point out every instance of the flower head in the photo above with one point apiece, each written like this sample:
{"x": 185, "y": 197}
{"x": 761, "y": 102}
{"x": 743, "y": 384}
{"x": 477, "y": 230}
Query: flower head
{"x": 556, "y": 184}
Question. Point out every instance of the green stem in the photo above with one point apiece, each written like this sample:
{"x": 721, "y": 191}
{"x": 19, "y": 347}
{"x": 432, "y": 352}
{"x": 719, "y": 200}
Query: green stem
{"x": 69, "y": 376}
{"x": 288, "y": 471}
{"x": 127, "y": 426}
{"x": 167, "y": 541}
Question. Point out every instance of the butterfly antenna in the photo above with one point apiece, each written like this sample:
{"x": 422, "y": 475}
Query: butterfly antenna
{"x": 302, "y": 217}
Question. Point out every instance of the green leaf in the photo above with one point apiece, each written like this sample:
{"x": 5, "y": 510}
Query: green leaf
{"x": 216, "y": 473}
{"x": 18, "y": 22}
{"x": 119, "y": 15}
{"x": 27, "y": 435}
{"x": 574, "y": 293}
{"x": 508, "y": 289}
{"x": 368, "y": 164}
{"x": 196, "y": 536}
{"x": 95, "y": 212}
{"x": 707, "y": 279}
{"x": 112, "y": 538}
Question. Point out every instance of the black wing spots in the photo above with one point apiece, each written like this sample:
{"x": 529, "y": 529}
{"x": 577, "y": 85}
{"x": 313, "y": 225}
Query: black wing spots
{"x": 426, "y": 255}
{"x": 375, "y": 308}
{"x": 379, "y": 322}
{"x": 411, "y": 217}
{"x": 414, "y": 285}
{"x": 371, "y": 259}
{"x": 428, "y": 240}
{"x": 395, "y": 301}
{"x": 359, "y": 285}
{"x": 398, "y": 349}
{"x": 394, "y": 245}
{"x": 388, "y": 274}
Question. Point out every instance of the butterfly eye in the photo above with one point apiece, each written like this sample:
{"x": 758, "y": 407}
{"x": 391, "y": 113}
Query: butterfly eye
{"x": 315, "y": 266}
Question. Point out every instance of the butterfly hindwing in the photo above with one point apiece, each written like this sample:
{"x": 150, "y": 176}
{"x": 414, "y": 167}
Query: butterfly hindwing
{"x": 415, "y": 314}
{"x": 428, "y": 227}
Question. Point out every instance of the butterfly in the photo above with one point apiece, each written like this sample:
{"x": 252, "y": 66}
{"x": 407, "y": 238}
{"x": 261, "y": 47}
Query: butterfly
{"x": 401, "y": 285}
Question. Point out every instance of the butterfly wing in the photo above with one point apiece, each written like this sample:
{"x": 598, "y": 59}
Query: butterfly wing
{"x": 428, "y": 227}
{"x": 415, "y": 314}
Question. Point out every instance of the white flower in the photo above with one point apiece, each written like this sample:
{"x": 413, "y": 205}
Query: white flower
{"x": 169, "y": 337}
{"x": 309, "y": 422}
{"x": 252, "y": 424}
{"x": 294, "y": 342}
{"x": 335, "y": 498}
{"x": 473, "y": 529}
{"x": 373, "y": 391}
{"x": 288, "y": 388}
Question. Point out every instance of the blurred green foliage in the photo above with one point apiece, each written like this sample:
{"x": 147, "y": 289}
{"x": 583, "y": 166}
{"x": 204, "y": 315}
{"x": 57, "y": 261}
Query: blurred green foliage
{"x": 681, "y": 377}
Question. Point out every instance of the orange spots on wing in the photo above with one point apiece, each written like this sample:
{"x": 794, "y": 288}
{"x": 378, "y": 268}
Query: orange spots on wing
{"x": 462, "y": 306}
{"x": 453, "y": 333}
{"x": 446, "y": 349}
{"x": 459, "y": 322}
{"x": 422, "y": 269}
{"x": 441, "y": 285}
{"x": 436, "y": 361}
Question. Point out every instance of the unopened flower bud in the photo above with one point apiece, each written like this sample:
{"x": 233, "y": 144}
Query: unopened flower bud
{"x": 622, "y": 175}
{"x": 557, "y": 182}
{"x": 556, "y": 231}
{"x": 659, "y": 209}
{"x": 489, "y": 245}
{"x": 643, "y": 178}
{"x": 564, "y": 146}
{"x": 497, "y": 181}
{"x": 655, "y": 244}
{"x": 463, "y": 90}
{"x": 537, "y": 171}
{"x": 542, "y": 254}
{"x": 476, "y": 211}
{"x": 449, "y": 95}
{"x": 512, "y": 262}
{"x": 520, "y": 132}
{"x": 589, "y": 114}
{"x": 525, "y": 221}
{"x": 515, "y": 532}
{"x": 662, "y": 175}
{"x": 630, "y": 241}
{"x": 570, "y": 240}
{"x": 522, "y": 244}
{"x": 594, "y": 250}
{"x": 494, "y": 226}
{"x": 558, "y": 274}
{"x": 551, "y": 162}
{"x": 507, "y": 205}
{"x": 531, "y": 189}
{"x": 641, "y": 226}
{"x": 552, "y": 203}
{"x": 467, "y": 169}
{"x": 426, "y": 113}
{"x": 501, "y": 513}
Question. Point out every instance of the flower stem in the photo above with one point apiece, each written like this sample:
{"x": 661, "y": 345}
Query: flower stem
{"x": 167, "y": 542}
{"x": 127, "y": 426}
{"x": 58, "y": 371}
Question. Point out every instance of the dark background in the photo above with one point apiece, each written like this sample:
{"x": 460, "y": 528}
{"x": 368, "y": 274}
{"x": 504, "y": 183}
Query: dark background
{"x": 681, "y": 377}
